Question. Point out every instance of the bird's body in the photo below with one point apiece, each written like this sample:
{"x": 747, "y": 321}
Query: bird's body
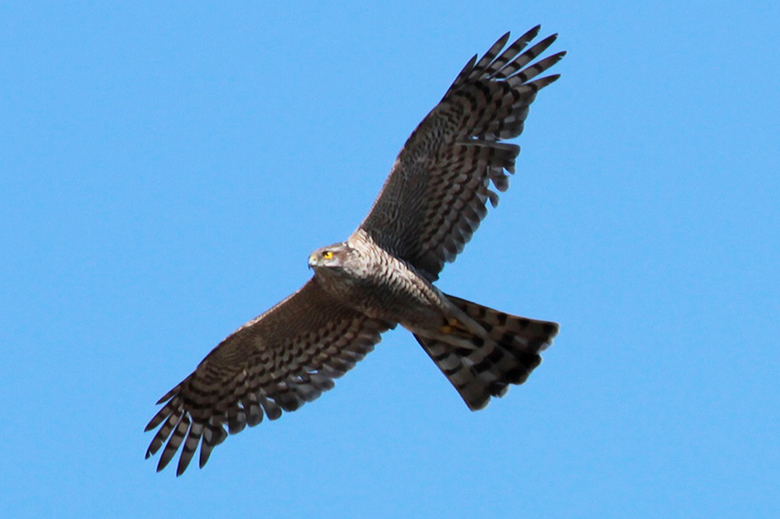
{"x": 378, "y": 284}
{"x": 383, "y": 275}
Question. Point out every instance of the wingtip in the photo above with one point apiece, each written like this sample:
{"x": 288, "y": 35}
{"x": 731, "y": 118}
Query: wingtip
{"x": 528, "y": 35}
{"x": 555, "y": 58}
{"x": 163, "y": 463}
{"x": 167, "y": 396}
{"x": 503, "y": 39}
{"x": 549, "y": 40}
{"x": 547, "y": 80}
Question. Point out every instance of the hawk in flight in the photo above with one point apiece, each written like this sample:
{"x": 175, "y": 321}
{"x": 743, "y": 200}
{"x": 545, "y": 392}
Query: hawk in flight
{"x": 382, "y": 275}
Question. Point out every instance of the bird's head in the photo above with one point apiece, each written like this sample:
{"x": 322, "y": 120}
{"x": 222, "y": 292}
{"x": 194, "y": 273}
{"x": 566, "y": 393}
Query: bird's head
{"x": 334, "y": 256}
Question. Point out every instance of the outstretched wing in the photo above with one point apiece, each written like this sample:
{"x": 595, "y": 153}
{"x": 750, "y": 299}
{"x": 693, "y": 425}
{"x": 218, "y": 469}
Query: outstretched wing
{"x": 278, "y": 361}
{"x": 437, "y": 191}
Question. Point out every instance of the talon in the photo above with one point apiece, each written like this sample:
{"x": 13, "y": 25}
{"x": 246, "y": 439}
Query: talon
{"x": 446, "y": 330}
{"x": 454, "y": 324}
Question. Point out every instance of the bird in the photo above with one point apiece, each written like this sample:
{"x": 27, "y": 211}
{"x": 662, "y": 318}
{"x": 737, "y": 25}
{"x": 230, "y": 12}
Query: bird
{"x": 383, "y": 275}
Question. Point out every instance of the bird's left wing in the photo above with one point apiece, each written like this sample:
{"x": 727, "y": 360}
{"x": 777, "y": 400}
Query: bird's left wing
{"x": 437, "y": 191}
{"x": 278, "y": 361}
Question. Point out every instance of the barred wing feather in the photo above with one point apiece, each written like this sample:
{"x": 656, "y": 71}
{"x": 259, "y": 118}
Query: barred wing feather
{"x": 437, "y": 192}
{"x": 277, "y": 362}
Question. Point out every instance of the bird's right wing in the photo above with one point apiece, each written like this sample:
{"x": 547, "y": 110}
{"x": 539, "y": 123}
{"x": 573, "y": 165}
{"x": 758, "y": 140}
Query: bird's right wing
{"x": 278, "y": 361}
{"x": 437, "y": 191}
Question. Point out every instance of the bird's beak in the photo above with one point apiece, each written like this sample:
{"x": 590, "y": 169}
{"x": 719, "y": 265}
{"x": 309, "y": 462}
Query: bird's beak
{"x": 312, "y": 261}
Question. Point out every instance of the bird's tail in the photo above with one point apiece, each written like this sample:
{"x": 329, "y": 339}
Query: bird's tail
{"x": 480, "y": 368}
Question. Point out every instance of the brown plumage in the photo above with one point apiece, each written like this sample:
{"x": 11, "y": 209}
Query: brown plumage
{"x": 432, "y": 202}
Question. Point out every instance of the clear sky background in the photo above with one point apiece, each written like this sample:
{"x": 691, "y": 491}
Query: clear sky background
{"x": 165, "y": 170}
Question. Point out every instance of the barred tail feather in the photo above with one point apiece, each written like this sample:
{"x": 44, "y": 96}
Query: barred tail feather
{"x": 509, "y": 355}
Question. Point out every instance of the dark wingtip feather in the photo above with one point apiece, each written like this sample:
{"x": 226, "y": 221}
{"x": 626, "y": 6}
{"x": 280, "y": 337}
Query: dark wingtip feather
{"x": 164, "y": 460}
{"x": 547, "y": 80}
{"x": 555, "y": 58}
{"x": 205, "y": 452}
{"x": 170, "y": 394}
{"x": 493, "y": 51}
{"x": 533, "y": 31}
{"x": 527, "y": 36}
{"x": 545, "y": 43}
{"x": 157, "y": 419}
{"x": 501, "y": 42}
{"x": 465, "y": 71}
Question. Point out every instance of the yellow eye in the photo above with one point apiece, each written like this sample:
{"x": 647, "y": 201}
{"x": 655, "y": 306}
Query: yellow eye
{"x": 327, "y": 255}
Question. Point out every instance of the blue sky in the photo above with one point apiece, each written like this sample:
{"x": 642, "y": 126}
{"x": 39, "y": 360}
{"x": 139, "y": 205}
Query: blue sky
{"x": 165, "y": 171}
